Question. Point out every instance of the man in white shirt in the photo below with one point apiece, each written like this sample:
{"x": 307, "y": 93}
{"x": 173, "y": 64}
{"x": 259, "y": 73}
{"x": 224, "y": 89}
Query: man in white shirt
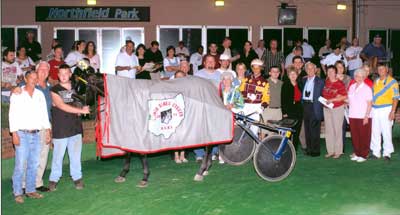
{"x": 127, "y": 63}
{"x": 25, "y": 127}
{"x": 11, "y": 74}
{"x": 308, "y": 51}
{"x": 181, "y": 50}
{"x": 196, "y": 60}
{"x": 297, "y": 51}
{"x": 332, "y": 58}
{"x": 224, "y": 61}
{"x": 352, "y": 55}
{"x": 260, "y": 48}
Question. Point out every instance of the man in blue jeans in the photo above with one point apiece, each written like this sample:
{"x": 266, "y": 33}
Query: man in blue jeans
{"x": 25, "y": 126}
{"x": 67, "y": 130}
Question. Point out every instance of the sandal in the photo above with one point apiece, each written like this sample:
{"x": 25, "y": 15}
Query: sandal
{"x": 19, "y": 199}
{"x": 34, "y": 195}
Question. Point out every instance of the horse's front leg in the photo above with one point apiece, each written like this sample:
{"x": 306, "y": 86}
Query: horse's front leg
{"x": 205, "y": 164}
{"x": 127, "y": 163}
{"x": 146, "y": 171}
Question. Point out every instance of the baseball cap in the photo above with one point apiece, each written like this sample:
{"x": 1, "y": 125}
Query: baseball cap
{"x": 377, "y": 36}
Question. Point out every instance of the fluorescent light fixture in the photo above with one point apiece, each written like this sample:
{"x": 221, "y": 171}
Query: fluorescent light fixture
{"x": 91, "y": 2}
{"x": 219, "y": 3}
{"x": 341, "y": 6}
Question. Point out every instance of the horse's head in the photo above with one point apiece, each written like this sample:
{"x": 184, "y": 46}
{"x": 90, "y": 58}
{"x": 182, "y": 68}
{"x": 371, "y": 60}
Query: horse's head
{"x": 88, "y": 84}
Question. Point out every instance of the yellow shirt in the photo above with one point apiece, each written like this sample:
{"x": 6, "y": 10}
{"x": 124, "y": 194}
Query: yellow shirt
{"x": 384, "y": 92}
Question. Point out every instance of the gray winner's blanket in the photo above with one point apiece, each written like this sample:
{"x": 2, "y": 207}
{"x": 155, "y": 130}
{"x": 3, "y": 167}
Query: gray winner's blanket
{"x": 150, "y": 116}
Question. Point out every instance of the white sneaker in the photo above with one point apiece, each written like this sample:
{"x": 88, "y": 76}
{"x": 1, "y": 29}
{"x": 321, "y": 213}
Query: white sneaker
{"x": 361, "y": 159}
{"x": 199, "y": 159}
{"x": 221, "y": 161}
{"x": 214, "y": 158}
{"x": 355, "y": 158}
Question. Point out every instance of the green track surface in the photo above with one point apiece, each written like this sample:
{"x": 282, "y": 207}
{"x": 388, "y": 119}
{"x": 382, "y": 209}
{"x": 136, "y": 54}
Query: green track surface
{"x": 316, "y": 186}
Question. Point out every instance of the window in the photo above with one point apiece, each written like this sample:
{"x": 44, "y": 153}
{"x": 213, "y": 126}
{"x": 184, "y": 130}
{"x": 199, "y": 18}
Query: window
{"x": 168, "y": 37}
{"x": 87, "y": 35}
{"x": 192, "y": 37}
{"x": 335, "y": 35}
{"x": 238, "y": 34}
{"x": 13, "y": 36}
{"x": 66, "y": 38}
{"x": 108, "y": 41}
{"x": 290, "y": 36}
{"x": 268, "y": 34}
{"x": 317, "y": 38}
{"x": 8, "y": 38}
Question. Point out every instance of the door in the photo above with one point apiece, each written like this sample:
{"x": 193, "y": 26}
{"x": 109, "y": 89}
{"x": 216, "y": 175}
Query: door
{"x": 290, "y": 36}
{"x": 395, "y": 49}
{"x": 335, "y": 35}
{"x": 316, "y": 38}
{"x": 270, "y": 34}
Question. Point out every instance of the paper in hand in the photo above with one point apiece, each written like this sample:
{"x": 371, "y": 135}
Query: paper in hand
{"x": 324, "y": 101}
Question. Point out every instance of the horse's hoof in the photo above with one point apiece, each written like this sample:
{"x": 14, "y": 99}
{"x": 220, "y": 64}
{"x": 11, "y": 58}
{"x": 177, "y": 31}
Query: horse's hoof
{"x": 142, "y": 184}
{"x": 205, "y": 173}
{"x": 119, "y": 179}
{"x": 198, "y": 177}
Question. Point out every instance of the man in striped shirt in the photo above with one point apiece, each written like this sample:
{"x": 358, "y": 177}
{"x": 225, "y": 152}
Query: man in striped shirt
{"x": 273, "y": 57}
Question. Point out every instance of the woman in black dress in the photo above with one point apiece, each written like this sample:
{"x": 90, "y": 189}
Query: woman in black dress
{"x": 140, "y": 50}
{"x": 248, "y": 54}
{"x": 291, "y": 101}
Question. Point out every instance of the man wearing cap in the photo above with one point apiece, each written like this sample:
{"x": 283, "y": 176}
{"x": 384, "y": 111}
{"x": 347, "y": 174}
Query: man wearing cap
{"x": 332, "y": 58}
{"x": 33, "y": 48}
{"x": 255, "y": 91}
{"x": 384, "y": 103}
{"x": 374, "y": 52}
{"x": 225, "y": 62}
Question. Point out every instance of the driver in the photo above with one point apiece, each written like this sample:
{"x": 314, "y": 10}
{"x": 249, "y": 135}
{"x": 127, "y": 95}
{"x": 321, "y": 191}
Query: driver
{"x": 255, "y": 89}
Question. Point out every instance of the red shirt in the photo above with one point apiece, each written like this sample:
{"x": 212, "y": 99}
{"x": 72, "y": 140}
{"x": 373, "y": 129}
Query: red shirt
{"x": 54, "y": 68}
{"x": 297, "y": 93}
{"x": 367, "y": 81}
{"x": 332, "y": 89}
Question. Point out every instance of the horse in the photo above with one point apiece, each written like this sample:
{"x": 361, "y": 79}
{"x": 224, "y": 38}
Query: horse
{"x": 89, "y": 85}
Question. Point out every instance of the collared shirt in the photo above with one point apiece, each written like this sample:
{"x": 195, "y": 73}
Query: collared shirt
{"x": 271, "y": 59}
{"x": 215, "y": 76}
{"x": 260, "y": 52}
{"x": 196, "y": 60}
{"x": 373, "y": 51}
{"x": 308, "y": 90}
{"x": 275, "y": 93}
{"x": 182, "y": 50}
{"x": 359, "y": 96}
{"x": 384, "y": 92}
{"x": 332, "y": 58}
{"x": 308, "y": 50}
{"x": 124, "y": 59}
{"x": 255, "y": 90}
{"x": 33, "y": 118}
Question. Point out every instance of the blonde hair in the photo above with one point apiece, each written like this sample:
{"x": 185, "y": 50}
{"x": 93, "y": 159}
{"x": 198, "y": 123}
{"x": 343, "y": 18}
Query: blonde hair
{"x": 241, "y": 64}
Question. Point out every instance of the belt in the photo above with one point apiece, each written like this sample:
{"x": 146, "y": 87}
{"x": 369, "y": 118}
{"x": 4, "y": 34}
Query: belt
{"x": 30, "y": 131}
{"x": 307, "y": 101}
{"x": 274, "y": 107}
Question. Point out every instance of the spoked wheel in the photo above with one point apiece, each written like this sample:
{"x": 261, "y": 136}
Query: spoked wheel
{"x": 240, "y": 150}
{"x": 266, "y": 166}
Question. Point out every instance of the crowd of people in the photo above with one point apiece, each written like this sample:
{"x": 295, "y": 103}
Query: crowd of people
{"x": 353, "y": 88}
